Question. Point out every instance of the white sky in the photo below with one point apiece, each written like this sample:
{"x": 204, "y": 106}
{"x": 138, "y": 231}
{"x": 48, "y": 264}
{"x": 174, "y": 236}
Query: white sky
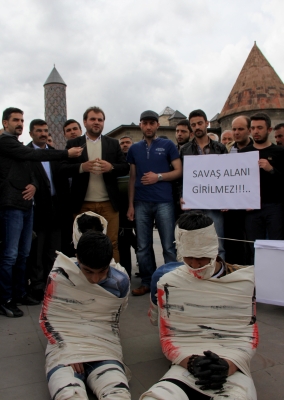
{"x": 127, "y": 56}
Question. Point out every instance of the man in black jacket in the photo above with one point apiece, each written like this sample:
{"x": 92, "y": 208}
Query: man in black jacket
{"x": 202, "y": 144}
{"x": 51, "y": 202}
{"x": 94, "y": 175}
{"x": 17, "y": 189}
{"x": 268, "y": 221}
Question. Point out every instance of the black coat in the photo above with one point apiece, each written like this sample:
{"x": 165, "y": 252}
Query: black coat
{"x": 112, "y": 153}
{"x": 16, "y": 172}
{"x": 45, "y": 207}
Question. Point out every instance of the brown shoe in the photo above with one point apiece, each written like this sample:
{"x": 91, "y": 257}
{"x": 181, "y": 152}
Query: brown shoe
{"x": 140, "y": 291}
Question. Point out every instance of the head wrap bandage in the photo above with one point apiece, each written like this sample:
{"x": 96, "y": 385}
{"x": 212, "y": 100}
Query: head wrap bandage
{"x": 197, "y": 243}
{"x": 77, "y": 234}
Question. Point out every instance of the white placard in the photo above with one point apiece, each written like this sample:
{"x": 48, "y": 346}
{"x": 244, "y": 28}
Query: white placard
{"x": 269, "y": 272}
{"x": 221, "y": 181}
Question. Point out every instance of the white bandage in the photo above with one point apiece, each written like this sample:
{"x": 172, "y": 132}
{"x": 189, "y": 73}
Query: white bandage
{"x": 64, "y": 385}
{"x": 104, "y": 380}
{"x": 77, "y": 234}
{"x": 197, "y": 243}
{"x": 164, "y": 390}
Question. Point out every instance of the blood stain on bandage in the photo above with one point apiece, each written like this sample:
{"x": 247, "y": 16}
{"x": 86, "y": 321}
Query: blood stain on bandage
{"x": 255, "y": 336}
{"x": 168, "y": 348}
{"x": 48, "y": 330}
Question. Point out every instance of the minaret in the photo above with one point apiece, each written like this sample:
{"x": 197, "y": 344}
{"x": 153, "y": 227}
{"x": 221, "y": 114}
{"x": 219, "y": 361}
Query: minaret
{"x": 55, "y": 107}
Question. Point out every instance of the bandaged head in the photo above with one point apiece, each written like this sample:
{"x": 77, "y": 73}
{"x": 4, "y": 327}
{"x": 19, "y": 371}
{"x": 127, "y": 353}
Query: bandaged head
{"x": 77, "y": 234}
{"x": 198, "y": 243}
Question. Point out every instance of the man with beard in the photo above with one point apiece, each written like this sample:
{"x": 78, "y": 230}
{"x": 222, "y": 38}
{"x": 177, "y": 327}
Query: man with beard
{"x": 17, "y": 189}
{"x": 94, "y": 175}
{"x": 279, "y": 134}
{"x": 205, "y": 309}
{"x": 201, "y": 144}
{"x": 154, "y": 163}
{"x": 183, "y": 133}
{"x": 50, "y": 203}
{"x": 268, "y": 221}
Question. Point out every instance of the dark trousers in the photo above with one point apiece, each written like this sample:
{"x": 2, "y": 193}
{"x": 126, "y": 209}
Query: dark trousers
{"x": 234, "y": 228}
{"x": 126, "y": 240}
{"x": 266, "y": 223}
{"x": 42, "y": 256}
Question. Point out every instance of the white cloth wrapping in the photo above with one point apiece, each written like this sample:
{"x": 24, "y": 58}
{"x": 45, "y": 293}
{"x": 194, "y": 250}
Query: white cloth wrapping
{"x": 77, "y": 234}
{"x": 216, "y": 314}
{"x": 197, "y": 243}
{"x": 79, "y": 319}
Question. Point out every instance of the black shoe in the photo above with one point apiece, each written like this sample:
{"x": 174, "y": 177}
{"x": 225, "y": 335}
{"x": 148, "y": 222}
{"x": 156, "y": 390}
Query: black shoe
{"x": 27, "y": 301}
{"x": 10, "y": 309}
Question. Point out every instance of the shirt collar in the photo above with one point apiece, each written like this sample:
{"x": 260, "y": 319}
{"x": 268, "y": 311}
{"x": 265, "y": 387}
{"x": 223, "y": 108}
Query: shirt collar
{"x": 92, "y": 140}
{"x": 37, "y": 147}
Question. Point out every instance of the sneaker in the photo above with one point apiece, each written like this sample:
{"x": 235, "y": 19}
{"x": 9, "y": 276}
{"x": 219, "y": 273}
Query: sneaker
{"x": 27, "y": 301}
{"x": 10, "y": 309}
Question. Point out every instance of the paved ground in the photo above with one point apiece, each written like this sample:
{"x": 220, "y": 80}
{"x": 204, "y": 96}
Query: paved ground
{"x": 22, "y": 346}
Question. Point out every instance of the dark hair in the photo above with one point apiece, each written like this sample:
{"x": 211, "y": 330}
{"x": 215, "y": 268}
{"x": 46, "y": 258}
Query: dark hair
{"x": 95, "y": 109}
{"x": 246, "y": 118}
{"x": 7, "y": 113}
{"x": 88, "y": 222}
{"x": 125, "y": 137}
{"x": 184, "y": 122}
{"x": 193, "y": 220}
{"x": 197, "y": 113}
{"x": 94, "y": 250}
{"x": 279, "y": 126}
{"x": 261, "y": 117}
{"x": 71, "y": 121}
{"x": 35, "y": 122}
{"x": 49, "y": 134}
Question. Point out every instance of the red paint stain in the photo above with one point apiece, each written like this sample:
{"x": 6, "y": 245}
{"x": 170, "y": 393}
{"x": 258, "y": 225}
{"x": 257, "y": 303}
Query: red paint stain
{"x": 255, "y": 340}
{"x": 50, "y": 289}
{"x": 169, "y": 349}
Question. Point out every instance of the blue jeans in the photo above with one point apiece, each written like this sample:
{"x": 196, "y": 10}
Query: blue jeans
{"x": 16, "y": 228}
{"x": 146, "y": 213}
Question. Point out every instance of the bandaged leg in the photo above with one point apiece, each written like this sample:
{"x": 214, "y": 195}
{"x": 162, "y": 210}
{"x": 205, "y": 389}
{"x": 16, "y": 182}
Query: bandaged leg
{"x": 108, "y": 381}
{"x": 164, "y": 390}
{"x": 63, "y": 385}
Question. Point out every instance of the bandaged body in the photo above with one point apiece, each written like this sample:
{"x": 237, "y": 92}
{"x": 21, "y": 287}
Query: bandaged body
{"x": 79, "y": 319}
{"x": 214, "y": 314}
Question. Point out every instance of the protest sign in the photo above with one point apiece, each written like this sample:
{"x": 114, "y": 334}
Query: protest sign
{"x": 221, "y": 181}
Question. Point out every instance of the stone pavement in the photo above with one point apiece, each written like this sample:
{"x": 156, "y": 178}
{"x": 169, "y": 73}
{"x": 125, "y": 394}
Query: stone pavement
{"x": 22, "y": 347}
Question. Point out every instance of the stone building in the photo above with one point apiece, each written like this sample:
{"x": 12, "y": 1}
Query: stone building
{"x": 55, "y": 107}
{"x": 168, "y": 119}
{"x": 257, "y": 88}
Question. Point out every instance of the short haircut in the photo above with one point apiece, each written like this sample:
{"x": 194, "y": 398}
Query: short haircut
{"x": 89, "y": 222}
{"x": 193, "y": 220}
{"x": 197, "y": 113}
{"x": 35, "y": 122}
{"x": 7, "y": 113}
{"x": 223, "y": 133}
{"x": 94, "y": 250}
{"x": 248, "y": 120}
{"x": 71, "y": 121}
{"x": 95, "y": 109}
{"x": 184, "y": 122}
{"x": 49, "y": 134}
{"x": 279, "y": 126}
{"x": 125, "y": 137}
{"x": 261, "y": 117}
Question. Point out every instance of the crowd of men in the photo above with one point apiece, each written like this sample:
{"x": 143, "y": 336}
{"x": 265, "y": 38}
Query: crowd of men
{"x": 133, "y": 187}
